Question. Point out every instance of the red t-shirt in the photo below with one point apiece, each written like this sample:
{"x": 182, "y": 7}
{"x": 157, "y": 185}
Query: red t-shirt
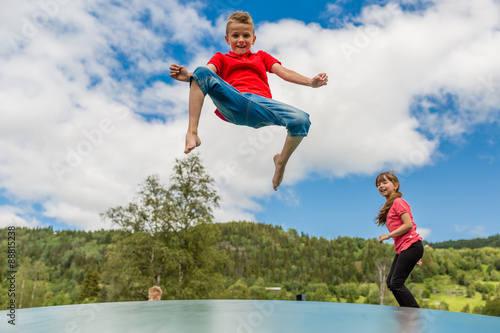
{"x": 246, "y": 72}
{"x": 393, "y": 221}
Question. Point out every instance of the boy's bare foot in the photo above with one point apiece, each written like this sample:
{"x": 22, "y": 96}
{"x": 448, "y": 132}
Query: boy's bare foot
{"x": 192, "y": 141}
{"x": 279, "y": 171}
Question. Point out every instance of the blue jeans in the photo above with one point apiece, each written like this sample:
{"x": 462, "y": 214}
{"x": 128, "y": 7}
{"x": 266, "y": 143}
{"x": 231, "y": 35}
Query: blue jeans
{"x": 250, "y": 109}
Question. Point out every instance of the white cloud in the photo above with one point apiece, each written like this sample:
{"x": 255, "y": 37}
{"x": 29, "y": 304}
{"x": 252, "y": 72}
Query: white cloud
{"x": 11, "y": 216}
{"x": 478, "y": 231}
{"x": 460, "y": 228}
{"x": 71, "y": 139}
{"x": 475, "y": 231}
{"x": 424, "y": 232}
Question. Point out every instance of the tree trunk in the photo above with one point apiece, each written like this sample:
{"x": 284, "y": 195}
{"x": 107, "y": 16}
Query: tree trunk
{"x": 382, "y": 293}
{"x": 33, "y": 294}
{"x": 151, "y": 265}
{"x": 21, "y": 296}
{"x": 381, "y": 266}
{"x": 181, "y": 275}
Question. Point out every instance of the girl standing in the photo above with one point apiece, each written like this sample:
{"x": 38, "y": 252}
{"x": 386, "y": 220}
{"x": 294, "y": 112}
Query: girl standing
{"x": 396, "y": 215}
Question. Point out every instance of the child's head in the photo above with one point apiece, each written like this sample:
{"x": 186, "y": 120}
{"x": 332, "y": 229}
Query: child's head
{"x": 240, "y": 17}
{"x": 387, "y": 176}
{"x": 240, "y": 32}
{"x": 388, "y": 185}
{"x": 154, "y": 293}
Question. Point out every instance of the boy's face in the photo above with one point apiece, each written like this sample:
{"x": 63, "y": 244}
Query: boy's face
{"x": 240, "y": 37}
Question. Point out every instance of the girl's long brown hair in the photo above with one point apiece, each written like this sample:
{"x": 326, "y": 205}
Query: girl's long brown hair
{"x": 382, "y": 214}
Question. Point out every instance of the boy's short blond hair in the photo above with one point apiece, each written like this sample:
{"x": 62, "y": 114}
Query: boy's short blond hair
{"x": 154, "y": 292}
{"x": 240, "y": 17}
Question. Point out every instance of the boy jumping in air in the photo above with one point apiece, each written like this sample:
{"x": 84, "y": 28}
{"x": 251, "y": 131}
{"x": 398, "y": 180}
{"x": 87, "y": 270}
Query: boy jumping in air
{"x": 237, "y": 84}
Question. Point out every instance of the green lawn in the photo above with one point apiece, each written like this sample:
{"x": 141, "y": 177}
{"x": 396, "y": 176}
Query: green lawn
{"x": 446, "y": 292}
{"x": 456, "y": 303}
{"x": 451, "y": 294}
{"x": 443, "y": 291}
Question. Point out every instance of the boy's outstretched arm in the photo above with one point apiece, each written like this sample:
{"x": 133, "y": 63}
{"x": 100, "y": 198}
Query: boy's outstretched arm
{"x": 179, "y": 73}
{"x": 294, "y": 77}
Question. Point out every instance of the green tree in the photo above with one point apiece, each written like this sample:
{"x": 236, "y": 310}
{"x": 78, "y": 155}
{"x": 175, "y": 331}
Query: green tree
{"x": 370, "y": 253}
{"x": 492, "y": 307}
{"x": 373, "y": 296}
{"x": 60, "y": 299}
{"x": 32, "y": 279}
{"x": 4, "y": 299}
{"x": 470, "y": 291}
{"x": 494, "y": 275}
{"x": 238, "y": 290}
{"x": 193, "y": 201}
{"x": 170, "y": 238}
{"x": 90, "y": 287}
{"x": 319, "y": 292}
{"x": 466, "y": 308}
{"x": 443, "y": 306}
{"x": 103, "y": 295}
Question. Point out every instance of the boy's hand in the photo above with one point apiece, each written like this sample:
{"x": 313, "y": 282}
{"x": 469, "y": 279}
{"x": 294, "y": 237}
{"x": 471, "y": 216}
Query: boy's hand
{"x": 319, "y": 80}
{"x": 179, "y": 73}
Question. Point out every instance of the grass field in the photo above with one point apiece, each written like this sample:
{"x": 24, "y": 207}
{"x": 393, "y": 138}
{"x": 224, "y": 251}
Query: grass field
{"x": 452, "y": 294}
{"x": 444, "y": 292}
{"x": 456, "y": 303}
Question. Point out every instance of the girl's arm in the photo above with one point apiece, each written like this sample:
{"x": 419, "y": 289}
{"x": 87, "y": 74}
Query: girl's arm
{"x": 294, "y": 77}
{"x": 403, "y": 229}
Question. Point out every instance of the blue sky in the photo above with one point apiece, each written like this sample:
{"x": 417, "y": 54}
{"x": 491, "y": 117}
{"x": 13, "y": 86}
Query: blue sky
{"x": 413, "y": 87}
{"x": 455, "y": 197}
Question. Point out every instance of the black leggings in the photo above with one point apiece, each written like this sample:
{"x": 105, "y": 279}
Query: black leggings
{"x": 401, "y": 267}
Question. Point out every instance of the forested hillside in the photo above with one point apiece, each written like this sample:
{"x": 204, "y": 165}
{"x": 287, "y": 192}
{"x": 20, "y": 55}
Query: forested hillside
{"x": 166, "y": 236}
{"x": 492, "y": 241}
{"x": 53, "y": 267}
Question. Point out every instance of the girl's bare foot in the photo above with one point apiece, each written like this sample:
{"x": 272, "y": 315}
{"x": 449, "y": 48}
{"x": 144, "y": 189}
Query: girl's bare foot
{"x": 192, "y": 141}
{"x": 279, "y": 171}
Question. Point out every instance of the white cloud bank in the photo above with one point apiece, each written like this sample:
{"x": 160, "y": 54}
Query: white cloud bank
{"x": 425, "y": 233}
{"x": 16, "y": 217}
{"x": 72, "y": 141}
